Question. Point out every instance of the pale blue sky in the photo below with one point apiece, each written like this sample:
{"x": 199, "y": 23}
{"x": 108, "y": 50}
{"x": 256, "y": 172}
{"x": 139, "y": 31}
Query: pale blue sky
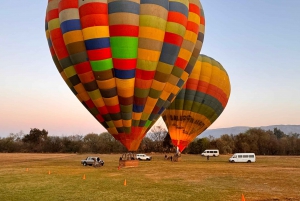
{"x": 256, "y": 41}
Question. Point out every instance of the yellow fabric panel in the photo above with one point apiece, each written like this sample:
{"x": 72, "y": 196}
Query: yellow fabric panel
{"x": 175, "y": 90}
{"x": 191, "y": 36}
{"x": 206, "y": 72}
{"x": 150, "y": 55}
{"x": 94, "y": 94}
{"x": 79, "y": 97}
{"x": 106, "y": 84}
{"x": 111, "y": 101}
{"x": 145, "y": 116}
{"x": 79, "y": 88}
{"x": 196, "y": 71}
{"x": 184, "y": 54}
{"x": 84, "y": 96}
{"x": 159, "y": 86}
{"x": 136, "y": 116}
{"x": 125, "y": 87}
{"x": 70, "y": 71}
{"x": 95, "y": 32}
{"x": 146, "y": 64}
{"x": 193, "y": 17}
{"x": 152, "y": 33}
{"x": 201, "y": 28}
{"x": 72, "y": 37}
{"x": 118, "y": 123}
{"x": 112, "y": 130}
{"x": 184, "y": 76}
{"x": 53, "y": 24}
{"x": 175, "y": 28}
{"x": 127, "y": 123}
{"x": 99, "y": 102}
{"x": 110, "y": 124}
{"x": 47, "y": 34}
{"x": 154, "y": 19}
{"x": 150, "y": 102}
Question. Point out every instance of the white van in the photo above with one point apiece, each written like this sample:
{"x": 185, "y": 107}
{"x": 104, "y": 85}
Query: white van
{"x": 210, "y": 152}
{"x": 242, "y": 157}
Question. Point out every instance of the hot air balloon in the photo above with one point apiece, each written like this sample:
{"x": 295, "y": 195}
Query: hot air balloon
{"x": 199, "y": 103}
{"x": 123, "y": 58}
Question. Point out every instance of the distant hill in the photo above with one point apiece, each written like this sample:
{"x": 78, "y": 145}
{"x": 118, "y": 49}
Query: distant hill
{"x": 216, "y": 133}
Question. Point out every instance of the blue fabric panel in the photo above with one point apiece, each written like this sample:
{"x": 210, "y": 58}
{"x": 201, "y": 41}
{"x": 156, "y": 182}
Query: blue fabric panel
{"x": 97, "y": 43}
{"x": 138, "y": 108}
{"x": 123, "y": 6}
{"x": 70, "y": 25}
{"x": 169, "y": 53}
{"x": 179, "y": 7}
{"x": 124, "y": 74}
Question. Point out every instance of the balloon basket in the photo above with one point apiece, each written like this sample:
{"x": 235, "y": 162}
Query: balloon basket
{"x": 128, "y": 160}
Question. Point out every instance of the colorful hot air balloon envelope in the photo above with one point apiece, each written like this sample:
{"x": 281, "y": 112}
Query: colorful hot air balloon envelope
{"x": 199, "y": 103}
{"x": 125, "y": 59}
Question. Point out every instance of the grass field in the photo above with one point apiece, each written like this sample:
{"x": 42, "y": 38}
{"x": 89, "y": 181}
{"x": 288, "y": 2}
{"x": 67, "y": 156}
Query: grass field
{"x": 271, "y": 178}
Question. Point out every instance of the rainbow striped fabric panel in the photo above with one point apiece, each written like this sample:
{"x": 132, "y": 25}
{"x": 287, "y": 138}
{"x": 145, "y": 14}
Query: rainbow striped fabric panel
{"x": 199, "y": 103}
{"x": 125, "y": 60}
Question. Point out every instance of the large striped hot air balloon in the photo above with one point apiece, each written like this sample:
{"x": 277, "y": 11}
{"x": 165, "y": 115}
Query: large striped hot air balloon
{"x": 125, "y": 60}
{"x": 199, "y": 103}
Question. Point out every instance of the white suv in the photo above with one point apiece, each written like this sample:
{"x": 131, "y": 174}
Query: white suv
{"x": 143, "y": 157}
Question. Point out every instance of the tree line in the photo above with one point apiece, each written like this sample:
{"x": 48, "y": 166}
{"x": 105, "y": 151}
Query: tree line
{"x": 157, "y": 140}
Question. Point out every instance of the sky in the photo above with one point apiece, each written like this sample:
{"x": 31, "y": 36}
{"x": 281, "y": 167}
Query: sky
{"x": 257, "y": 42}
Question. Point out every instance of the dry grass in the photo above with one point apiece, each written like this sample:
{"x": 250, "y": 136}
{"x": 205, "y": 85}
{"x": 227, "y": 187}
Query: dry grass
{"x": 271, "y": 178}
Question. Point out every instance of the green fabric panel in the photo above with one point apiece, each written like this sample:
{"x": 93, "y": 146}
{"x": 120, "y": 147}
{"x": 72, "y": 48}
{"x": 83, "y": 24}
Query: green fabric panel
{"x": 187, "y": 105}
{"x": 141, "y": 93}
{"x": 124, "y": 47}
{"x": 110, "y": 124}
{"x": 145, "y": 116}
{"x": 179, "y": 104}
{"x": 127, "y": 129}
{"x": 93, "y": 111}
{"x": 148, "y": 123}
{"x": 196, "y": 107}
{"x": 154, "y": 93}
{"x": 177, "y": 71}
{"x": 135, "y": 123}
{"x": 102, "y": 65}
{"x": 126, "y": 108}
{"x": 175, "y": 28}
{"x": 94, "y": 94}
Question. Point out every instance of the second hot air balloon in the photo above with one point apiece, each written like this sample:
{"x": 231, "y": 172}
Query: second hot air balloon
{"x": 199, "y": 103}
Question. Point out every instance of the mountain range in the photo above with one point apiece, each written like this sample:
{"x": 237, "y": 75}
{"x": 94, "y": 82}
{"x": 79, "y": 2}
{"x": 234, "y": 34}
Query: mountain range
{"x": 216, "y": 133}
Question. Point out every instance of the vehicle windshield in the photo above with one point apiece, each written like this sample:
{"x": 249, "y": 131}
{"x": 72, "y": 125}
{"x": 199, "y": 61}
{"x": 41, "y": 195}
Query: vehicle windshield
{"x": 234, "y": 156}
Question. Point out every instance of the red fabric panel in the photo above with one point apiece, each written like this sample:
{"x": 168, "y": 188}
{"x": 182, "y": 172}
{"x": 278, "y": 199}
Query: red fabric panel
{"x": 99, "y": 54}
{"x": 192, "y": 26}
{"x": 124, "y": 30}
{"x": 194, "y": 8}
{"x": 124, "y": 64}
{"x": 58, "y": 44}
{"x": 173, "y": 39}
{"x": 52, "y": 14}
{"x": 94, "y": 20}
{"x": 93, "y": 8}
{"x": 181, "y": 63}
{"x": 83, "y": 67}
{"x": 103, "y": 110}
{"x": 65, "y": 4}
{"x": 177, "y": 17}
{"x": 144, "y": 75}
{"x": 113, "y": 109}
{"x": 89, "y": 103}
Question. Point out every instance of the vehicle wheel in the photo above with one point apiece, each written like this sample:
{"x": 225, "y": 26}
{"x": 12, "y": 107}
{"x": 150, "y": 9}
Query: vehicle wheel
{"x": 102, "y": 164}
{"x": 214, "y": 155}
{"x": 249, "y": 161}
{"x": 84, "y": 164}
{"x": 140, "y": 159}
{"x": 232, "y": 161}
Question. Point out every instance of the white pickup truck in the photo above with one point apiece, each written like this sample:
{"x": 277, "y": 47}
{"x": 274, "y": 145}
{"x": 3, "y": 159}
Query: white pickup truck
{"x": 92, "y": 160}
{"x": 143, "y": 157}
